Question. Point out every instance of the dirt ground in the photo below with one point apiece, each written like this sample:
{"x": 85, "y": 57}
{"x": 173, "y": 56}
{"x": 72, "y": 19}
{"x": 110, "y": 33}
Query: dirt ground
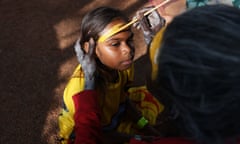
{"x": 37, "y": 58}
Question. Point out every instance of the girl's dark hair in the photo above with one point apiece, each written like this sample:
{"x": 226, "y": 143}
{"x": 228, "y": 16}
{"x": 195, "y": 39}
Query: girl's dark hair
{"x": 93, "y": 23}
{"x": 199, "y": 71}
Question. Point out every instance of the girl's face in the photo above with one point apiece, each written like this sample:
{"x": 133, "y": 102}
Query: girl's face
{"x": 117, "y": 51}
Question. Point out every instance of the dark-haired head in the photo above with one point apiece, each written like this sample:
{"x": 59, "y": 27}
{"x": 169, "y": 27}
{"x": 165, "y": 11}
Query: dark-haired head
{"x": 199, "y": 71}
{"x": 95, "y": 21}
{"x": 111, "y": 53}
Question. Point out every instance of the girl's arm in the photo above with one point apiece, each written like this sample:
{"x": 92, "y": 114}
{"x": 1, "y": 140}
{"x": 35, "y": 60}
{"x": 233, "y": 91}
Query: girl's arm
{"x": 87, "y": 118}
{"x": 87, "y": 115}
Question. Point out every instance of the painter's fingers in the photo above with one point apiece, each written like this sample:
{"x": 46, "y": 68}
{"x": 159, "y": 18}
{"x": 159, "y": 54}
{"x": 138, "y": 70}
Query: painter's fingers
{"x": 140, "y": 16}
{"x": 155, "y": 21}
{"x": 92, "y": 45}
{"x": 79, "y": 51}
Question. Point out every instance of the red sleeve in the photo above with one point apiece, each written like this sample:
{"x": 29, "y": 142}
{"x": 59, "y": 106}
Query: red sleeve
{"x": 87, "y": 118}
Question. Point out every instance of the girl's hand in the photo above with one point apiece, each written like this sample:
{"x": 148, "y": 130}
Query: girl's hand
{"x": 87, "y": 62}
{"x": 149, "y": 24}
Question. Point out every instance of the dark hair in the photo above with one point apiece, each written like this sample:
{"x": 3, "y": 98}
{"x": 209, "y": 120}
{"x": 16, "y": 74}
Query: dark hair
{"x": 96, "y": 20}
{"x": 199, "y": 71}
{"x": 93, "y": 23}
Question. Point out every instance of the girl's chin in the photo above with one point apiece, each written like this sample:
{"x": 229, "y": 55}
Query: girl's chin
{"x": 124, "y": 67}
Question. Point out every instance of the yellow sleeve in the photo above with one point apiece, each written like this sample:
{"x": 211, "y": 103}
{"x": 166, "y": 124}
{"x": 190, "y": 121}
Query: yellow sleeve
{"x": 154, "y": 48}
{"x": 130, "y": 73}
{"x": 74, "y": 86}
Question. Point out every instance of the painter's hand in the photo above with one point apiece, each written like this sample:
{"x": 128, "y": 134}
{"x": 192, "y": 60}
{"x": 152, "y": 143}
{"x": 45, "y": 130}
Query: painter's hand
{"x": 149, "y": 24}
{"x": 87, "y": 62}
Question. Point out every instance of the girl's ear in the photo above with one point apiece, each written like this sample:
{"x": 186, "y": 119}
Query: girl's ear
{"x": 86, "y": 47}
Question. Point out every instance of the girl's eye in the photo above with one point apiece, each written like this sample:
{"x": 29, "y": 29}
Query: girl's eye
{"x": 115, "y": 44}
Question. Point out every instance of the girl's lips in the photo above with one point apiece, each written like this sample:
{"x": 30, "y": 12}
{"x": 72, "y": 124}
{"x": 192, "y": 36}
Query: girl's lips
{"x": 127, "y": 62}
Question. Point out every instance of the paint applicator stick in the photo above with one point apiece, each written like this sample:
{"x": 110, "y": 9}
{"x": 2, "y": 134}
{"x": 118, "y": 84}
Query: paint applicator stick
{"x": 145, "y": 14}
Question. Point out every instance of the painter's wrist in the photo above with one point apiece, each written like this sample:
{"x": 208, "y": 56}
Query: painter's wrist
{"x": 89, "y": 83}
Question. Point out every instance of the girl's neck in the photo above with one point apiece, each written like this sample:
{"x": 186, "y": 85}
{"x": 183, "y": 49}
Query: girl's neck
{"x": 112, "y": 75}
{"x": 109, "y": 74}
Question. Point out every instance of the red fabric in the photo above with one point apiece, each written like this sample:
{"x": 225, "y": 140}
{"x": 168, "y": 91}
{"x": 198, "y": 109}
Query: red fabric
{"x": 163, "y": 141}
{"x": 87, "y": 118}
{"x": 172, "y": 140}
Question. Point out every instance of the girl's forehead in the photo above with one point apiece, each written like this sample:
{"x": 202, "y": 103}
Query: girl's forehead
{"x": 111, "y": 29}
{"x": 113, "y": 24}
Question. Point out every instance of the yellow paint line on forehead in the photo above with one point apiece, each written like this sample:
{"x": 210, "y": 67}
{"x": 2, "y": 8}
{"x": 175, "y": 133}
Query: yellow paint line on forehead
{"x": 112, "y": 31}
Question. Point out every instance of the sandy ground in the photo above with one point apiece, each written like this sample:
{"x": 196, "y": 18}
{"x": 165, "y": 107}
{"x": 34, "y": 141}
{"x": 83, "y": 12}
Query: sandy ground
{"x": 37, "y": 58}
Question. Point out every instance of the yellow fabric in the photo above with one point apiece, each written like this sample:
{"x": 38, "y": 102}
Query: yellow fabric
{"x": 147, "y": 104}
{"x": 66, "y": 123}
{"x": 154, "y": 48}
{"x": 65, "y": 119}
{"x": 115, "y": 95}
{"x": 75, "y": 85}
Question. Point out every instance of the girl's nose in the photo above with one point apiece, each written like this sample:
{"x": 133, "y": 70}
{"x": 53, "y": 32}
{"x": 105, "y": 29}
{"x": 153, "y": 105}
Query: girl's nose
{"x": 126, "y": 49}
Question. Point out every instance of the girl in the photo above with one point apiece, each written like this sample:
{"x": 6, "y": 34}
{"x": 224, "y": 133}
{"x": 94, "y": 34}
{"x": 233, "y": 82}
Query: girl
{"x": 98, "y": 98}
